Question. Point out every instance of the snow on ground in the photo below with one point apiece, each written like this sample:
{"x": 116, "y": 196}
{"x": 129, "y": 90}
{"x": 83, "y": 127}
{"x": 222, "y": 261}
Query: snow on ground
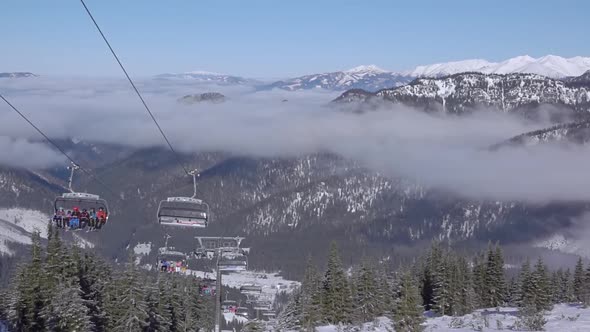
{"x": 563, "y": 317}
{"x": 29, "y": 220}
{"x": 270, "y": 282}
{"x": 82, "y": 242}
{"x": 230, "y": 317}
{"x": 143, "y": 248}
{"x": 16, "y": 226}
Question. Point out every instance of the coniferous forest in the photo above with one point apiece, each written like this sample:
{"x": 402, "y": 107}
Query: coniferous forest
{"x": 440, "y": 281}
{"x": 64, "y": 288}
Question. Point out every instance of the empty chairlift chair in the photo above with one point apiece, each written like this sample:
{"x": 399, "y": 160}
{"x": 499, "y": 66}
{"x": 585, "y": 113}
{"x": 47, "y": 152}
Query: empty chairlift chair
{"x": 262, "y": 305}
{"x": 184, "y": 211}
{"x": 232, "y": 264}
{"x": 268, "y": 313}
{"x": 252, "y": 289}
{"x": 243, "y": 311}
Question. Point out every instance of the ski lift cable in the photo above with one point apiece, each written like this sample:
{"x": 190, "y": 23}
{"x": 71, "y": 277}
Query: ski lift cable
{"x": 52, "y": 142}
{"x": 134, "y": 87}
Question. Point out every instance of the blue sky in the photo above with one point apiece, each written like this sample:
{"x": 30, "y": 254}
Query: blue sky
{"x": 281, "y": 38}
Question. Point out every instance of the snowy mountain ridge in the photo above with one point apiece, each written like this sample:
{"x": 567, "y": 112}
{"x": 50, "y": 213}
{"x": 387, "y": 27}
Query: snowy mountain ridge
{"x": 367, "y": 77}
{"x": 17, "y": 75}
{"x": 550, "y": 65}
{"x": 465, "y": 92}
{"x": 207, "y": 77}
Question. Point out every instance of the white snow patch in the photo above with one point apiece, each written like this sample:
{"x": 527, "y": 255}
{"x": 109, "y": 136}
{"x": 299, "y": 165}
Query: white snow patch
{"x": 563, "y": 317}
{"x": 143, "y": 248}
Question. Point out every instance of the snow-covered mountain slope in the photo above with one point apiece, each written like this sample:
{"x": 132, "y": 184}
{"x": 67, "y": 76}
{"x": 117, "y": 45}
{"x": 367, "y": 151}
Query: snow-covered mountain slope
{"x": 207, "y": 77}
{"x": 17, "y": 225}
{"x": 466, "y": 92}
{"x": 575, "y": 132}
{"x": 17, "y": 75}
{"x": 563, "y": 317}
{"x": 370, "y": 78}
{"x": 549, "y": 65}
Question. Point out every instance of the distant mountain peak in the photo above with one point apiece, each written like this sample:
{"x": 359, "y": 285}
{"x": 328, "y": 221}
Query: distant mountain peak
{"x": 17, "y": 75}
{"x": 207, "y": 77}
{"x": 203, "y": 72}
{"x": 366, "y": 68}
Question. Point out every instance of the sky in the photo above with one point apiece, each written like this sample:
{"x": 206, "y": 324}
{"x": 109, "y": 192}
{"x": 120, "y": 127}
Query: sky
{"x": 278, "y": 39}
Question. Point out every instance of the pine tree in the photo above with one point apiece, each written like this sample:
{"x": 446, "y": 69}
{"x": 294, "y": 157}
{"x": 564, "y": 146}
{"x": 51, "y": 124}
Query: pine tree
{"x": 442, "y": 290}
{"x": 586, "y": 287}
{"x": 408, "y": 311}
{"x": 479, "y": 276}
{"x": 253, "y": 326}
{"x": 385, "y": 293}
{"x": 132, "y": 310}
{"x": 559, "y": 287}
{"x": 67, "y": 311}
{"x": 494, "y": 283}
{"x": 19, "y": 301}
{"x": 28, "y": 296}
{"x": 290, "y": 317}
{"x": 336, "y": 297}
{"x": 578, "y": 284}
{"x": 513, "y": 294}
{"x": 527, "y": 293}
{"x": 541, "y": 283}
{"x": 93, "y": 279}
{"x": 430, "y": 275}
{"x": 465, "y": 293}
{"x": 366, "y": 297}
{"x": 568, "y": 284}
{"x": 310, "y": 301}
{"x": 155, "y": 321}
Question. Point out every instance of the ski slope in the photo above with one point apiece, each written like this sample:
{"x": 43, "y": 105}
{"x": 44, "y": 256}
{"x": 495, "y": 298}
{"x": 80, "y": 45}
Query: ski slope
{"x": 17, "y": 225}
{"x": 563, "y": 317}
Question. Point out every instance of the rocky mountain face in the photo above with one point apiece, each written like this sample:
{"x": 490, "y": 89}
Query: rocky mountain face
{"x": 370, "y": 78}
{"x": 17, "y": 75}
{"x": 579, "y": 81}
{"x": 466, "y": 92}
{"x": 210, "y": 97}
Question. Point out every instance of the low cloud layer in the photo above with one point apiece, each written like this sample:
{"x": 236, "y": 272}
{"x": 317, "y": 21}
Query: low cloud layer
{"x": 446, "y": 152}
{"x": 21, "y": 153}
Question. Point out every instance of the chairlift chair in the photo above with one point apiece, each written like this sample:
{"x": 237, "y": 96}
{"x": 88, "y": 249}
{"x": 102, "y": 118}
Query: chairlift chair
{"x": 268, "y": 313}
{"x": 189, "y": 212}
{"x": 262, "y": 305}
{"x": 72, "y": 199}
{"x": 243, "y": 311}
{"x": 250, "y": 289}
{"x": 236, "y": 264}
{"x": 208, "y": 287}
